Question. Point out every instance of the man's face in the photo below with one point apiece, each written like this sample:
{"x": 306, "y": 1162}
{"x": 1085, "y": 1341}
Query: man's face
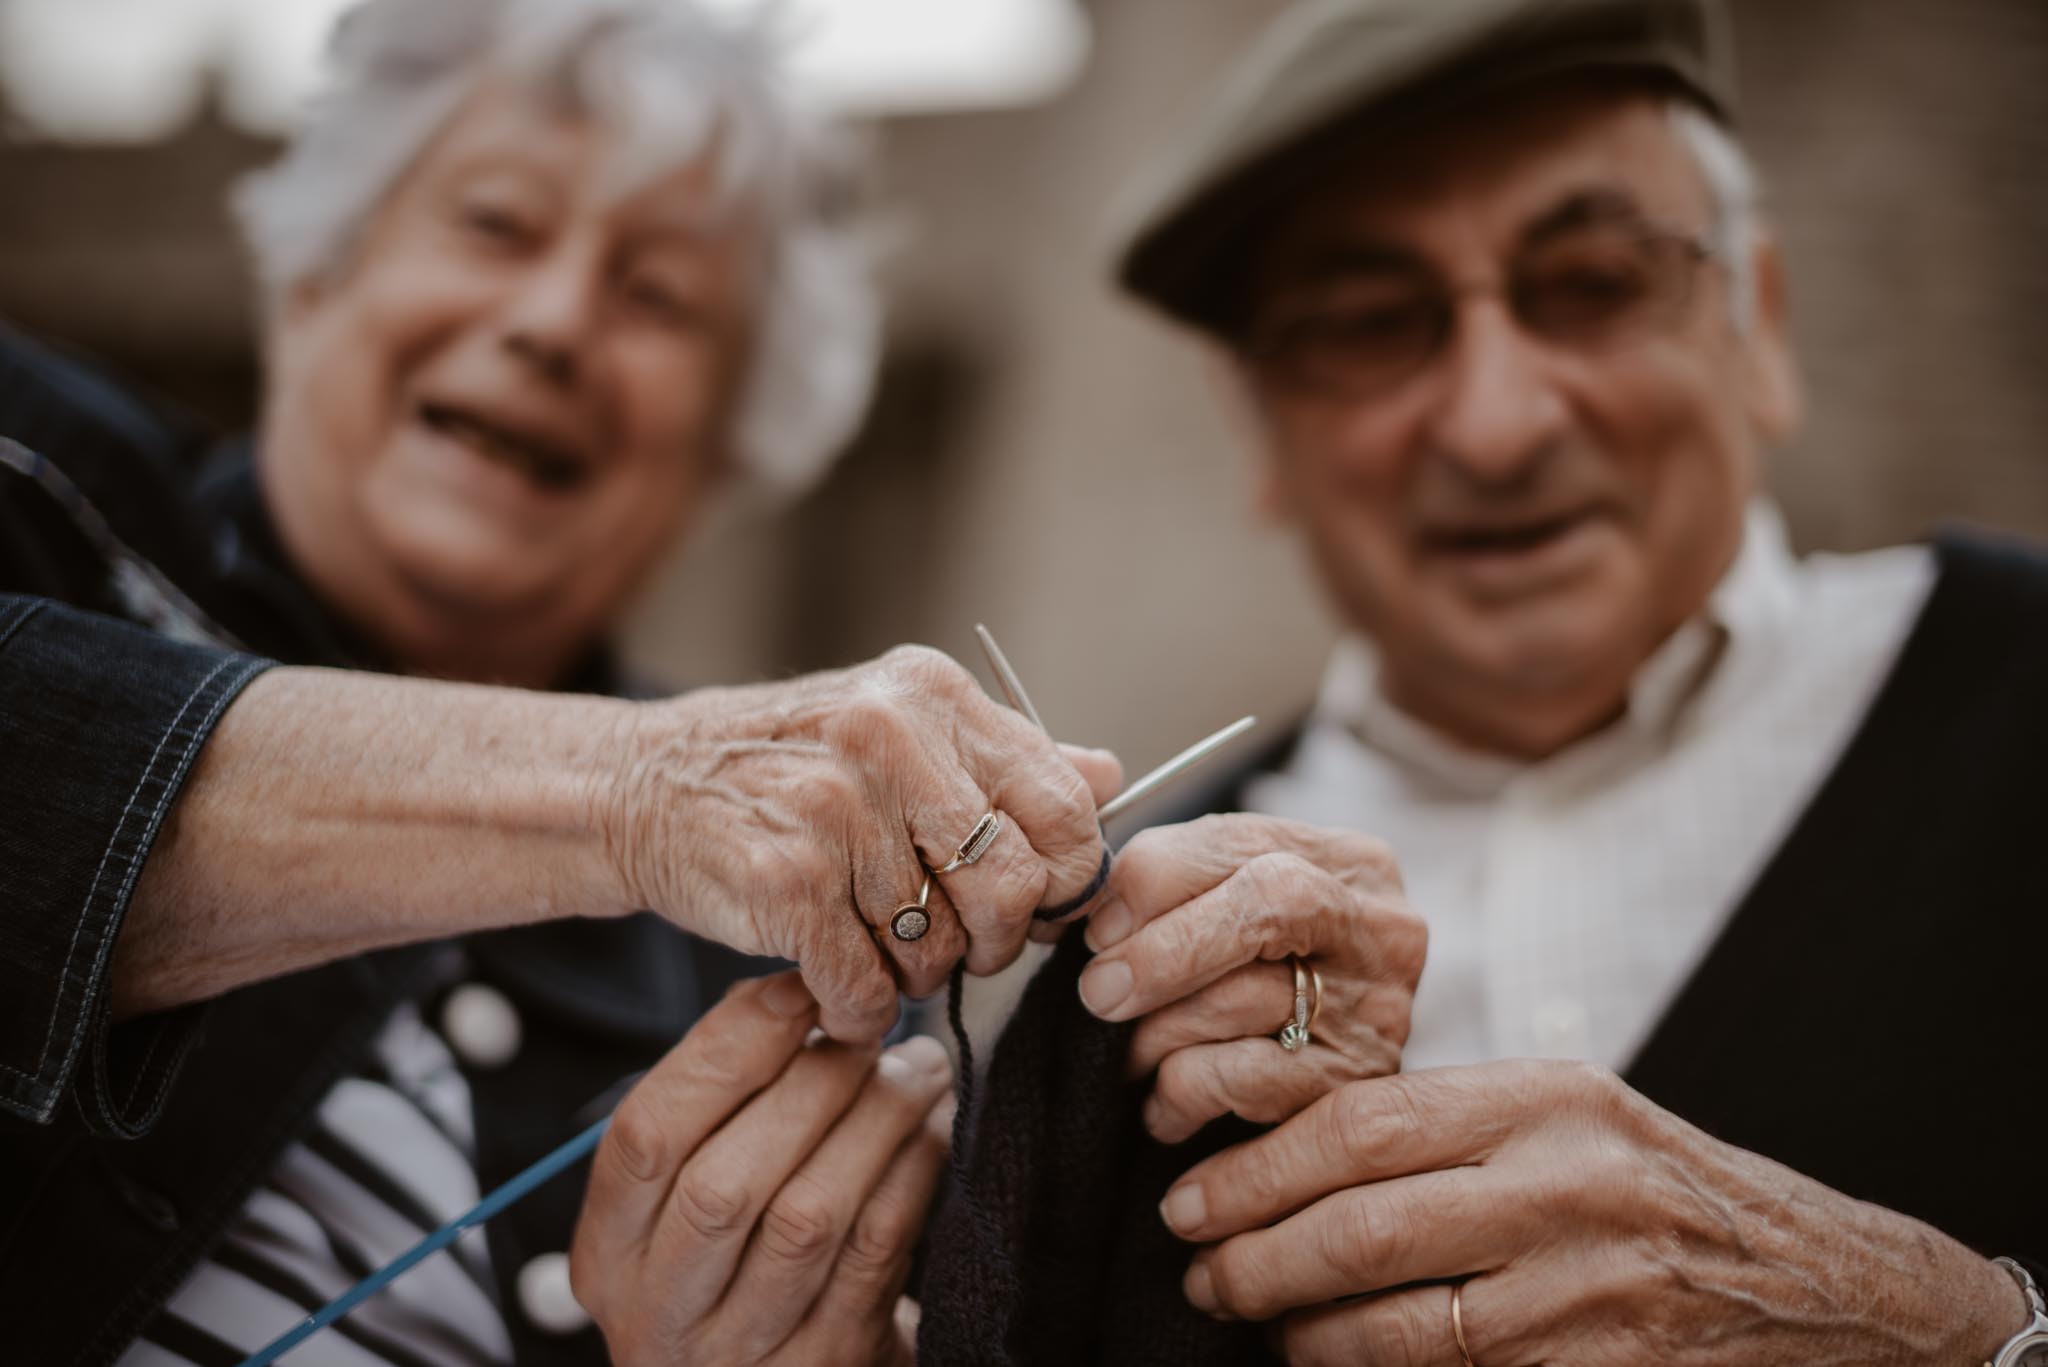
{"x": 1506, "y": 399}
{"x": 489, "y": 422}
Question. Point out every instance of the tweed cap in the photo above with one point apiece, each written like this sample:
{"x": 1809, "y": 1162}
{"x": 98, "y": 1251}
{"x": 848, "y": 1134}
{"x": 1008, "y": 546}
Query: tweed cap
{"x": 1327, "y": 71}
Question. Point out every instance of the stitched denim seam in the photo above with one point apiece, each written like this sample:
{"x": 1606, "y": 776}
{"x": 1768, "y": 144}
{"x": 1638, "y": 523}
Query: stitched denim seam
{"x": 226, "y": 694}
{"x": 41, "y": 1078}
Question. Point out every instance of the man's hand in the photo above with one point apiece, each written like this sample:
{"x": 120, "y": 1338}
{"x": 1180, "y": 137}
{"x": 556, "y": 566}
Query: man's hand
{"x": 794, "y": 819}
{"x": 1589, "y": 1227}
{"x": 1193, "y": 934}
{"x": 757, "y": 1197}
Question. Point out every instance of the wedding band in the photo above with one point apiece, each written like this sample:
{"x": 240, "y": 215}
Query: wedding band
{"x": 1294, "y": 1035}
{"x": 1315, "y": 995}
{"x": 1458, "y": 1323}
{"x": 975, "y": 845}
{"x": 912, "y": 919}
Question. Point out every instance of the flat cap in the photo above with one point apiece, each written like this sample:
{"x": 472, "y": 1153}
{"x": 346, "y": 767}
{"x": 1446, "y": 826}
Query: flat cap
{"x": 1327, "y": 70}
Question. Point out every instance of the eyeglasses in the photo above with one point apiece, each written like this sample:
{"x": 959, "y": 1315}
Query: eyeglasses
{"x": 1367, "y": 331}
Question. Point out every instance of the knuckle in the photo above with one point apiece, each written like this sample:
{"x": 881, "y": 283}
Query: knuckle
{"x": 799, "y": 1225}
{"x": 874, "y": 727}
{"x": 1238, "y": 1280}
{"x": 712, "y": 1204}
{"x": 874, "y": 1243}
{"x": 641, "y": 1140}
{"x": 923, "y": 669}
{"x": 1374, "y": 1231}
{"x": 1284, "y": 881}
{"x": 1399, "y": 1332}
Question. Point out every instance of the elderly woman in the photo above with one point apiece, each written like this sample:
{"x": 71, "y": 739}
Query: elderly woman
{"x": 544, "y": 280}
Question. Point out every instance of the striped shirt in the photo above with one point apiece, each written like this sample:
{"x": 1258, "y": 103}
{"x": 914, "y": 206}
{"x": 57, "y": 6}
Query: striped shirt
{"x": 389, "y": 1157}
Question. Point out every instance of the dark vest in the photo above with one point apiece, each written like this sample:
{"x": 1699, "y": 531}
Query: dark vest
{"x": 1872, "y": 1016}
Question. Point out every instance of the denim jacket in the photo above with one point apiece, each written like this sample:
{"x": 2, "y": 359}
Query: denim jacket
{"x": 140, "y": 589}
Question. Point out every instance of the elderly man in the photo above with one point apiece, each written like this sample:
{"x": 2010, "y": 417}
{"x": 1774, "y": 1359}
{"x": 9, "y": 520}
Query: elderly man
{"x": 1753, "y": 833}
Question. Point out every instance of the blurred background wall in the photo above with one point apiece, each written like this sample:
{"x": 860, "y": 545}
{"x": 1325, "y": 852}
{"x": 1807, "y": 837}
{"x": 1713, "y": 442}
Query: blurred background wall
{"x": 1049, "y": 460}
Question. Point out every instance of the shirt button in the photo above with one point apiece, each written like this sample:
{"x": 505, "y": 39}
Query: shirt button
{"x": 1562, "y": 1028}
{"x": 481, "y": 1025}
{"x": 545, "y": 1296}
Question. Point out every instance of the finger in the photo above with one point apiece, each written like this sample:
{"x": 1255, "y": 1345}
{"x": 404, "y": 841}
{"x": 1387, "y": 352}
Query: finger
{"x": 1274, "y": 906}
{"x": 1053, "y": 804}
{"x": 739, "y": 1047}
{"x": 996, "y": 895}
{"x": 874, "y": 1262}
{"x": 1252, "y": 1078}
{"x": 888, "y": 880}
{"x": 1363, "y": 1132}
{"x": 1400, "y": 1329}
{"x": 848, "y": 973}
{"x": 722, "y": 1189}
{"x": 1255, "y": 999}
{"x": 1103, "y": 771}
{"x": 1358, "y": 1240}
{"x": 800, "y": 1232}
{"x": 1159, "y": 869}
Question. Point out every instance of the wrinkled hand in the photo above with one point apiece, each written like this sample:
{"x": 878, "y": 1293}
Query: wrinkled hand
{"x": 1193, "y": 933}
{"x": 757, "y": 1198}
{"x": 790, "y": 818}
{"x": 1596, "y": 1229}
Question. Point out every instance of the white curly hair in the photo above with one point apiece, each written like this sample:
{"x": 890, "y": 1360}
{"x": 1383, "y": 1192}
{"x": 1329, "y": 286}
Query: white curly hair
{"x": 668, "y": 78}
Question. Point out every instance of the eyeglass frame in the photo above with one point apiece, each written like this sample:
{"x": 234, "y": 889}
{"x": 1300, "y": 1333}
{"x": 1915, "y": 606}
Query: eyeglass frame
{"x": 1696, "y": 250}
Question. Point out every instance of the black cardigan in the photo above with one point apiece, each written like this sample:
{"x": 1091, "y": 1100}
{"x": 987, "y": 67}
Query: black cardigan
{"x": 1872, "y": 1016}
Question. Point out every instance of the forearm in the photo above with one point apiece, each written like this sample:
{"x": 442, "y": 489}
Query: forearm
{"x": 332, "y": 813}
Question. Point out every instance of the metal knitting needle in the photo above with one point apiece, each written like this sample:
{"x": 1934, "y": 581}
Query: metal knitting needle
{"x": 1013, "y": 689}
{"x": 1173, "y": 768}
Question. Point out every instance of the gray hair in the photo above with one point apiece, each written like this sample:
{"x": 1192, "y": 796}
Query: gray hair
{"x": 1733, "y": 184}
{"x": 671, "y": 80}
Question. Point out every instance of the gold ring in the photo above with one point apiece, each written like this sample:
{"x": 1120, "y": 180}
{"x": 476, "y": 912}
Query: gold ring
{"x": 1315, "y": 993}
{"x": 975, "y": 845}
{"x": 913, "y": 919}
{"x": 1294, "y": 1036}
{"x": 1458, "y": 1323}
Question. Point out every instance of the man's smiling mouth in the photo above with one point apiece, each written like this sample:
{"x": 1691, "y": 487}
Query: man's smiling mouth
{"x": 1503, "y": 538}
{"x": 548, "y": 464}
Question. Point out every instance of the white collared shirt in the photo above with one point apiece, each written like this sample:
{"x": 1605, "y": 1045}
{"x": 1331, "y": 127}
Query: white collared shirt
{"x": 1569, "y": 899}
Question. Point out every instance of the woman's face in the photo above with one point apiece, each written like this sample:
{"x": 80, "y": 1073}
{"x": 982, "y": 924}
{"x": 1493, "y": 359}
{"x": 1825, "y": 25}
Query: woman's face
{"x": 483, "y": 428}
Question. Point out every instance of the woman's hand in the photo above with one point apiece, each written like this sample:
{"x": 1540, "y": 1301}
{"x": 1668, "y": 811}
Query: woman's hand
{"x": 794, "y": 819}
{"x": 758, "y": 1197}
{"x": 1194, "y": 932}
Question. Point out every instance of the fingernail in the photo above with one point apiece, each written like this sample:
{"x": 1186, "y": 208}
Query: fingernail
{"x": 1201, "y": 1289}
{"x": 1104, "y": 986}
{"x": 786, "y": 997}
{"x": 1109, "y": 926}
{"x": 917, "y": 1059}
{"x": 1185, "y": 1208}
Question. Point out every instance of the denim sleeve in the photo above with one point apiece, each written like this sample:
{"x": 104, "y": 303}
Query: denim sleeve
{"x": 100, "y": 722}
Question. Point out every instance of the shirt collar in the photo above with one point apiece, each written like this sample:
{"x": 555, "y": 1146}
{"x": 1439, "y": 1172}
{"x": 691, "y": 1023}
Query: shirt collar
{"x": 1746, "y": 613}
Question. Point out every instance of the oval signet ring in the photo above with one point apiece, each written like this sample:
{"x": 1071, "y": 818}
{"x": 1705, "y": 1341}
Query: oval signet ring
{"x": 913, "y": 919}
{"x": 975, "y": 845}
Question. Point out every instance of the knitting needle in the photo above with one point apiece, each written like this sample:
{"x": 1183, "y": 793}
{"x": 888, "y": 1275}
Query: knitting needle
{"x": 1013, "y": 689}
{"x": 1173, "y": 768}
{"x": 483, "y": 1210}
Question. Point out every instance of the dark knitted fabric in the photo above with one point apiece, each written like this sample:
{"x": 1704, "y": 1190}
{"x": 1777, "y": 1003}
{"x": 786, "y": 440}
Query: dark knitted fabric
{"x": 1048, "y": 1248}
